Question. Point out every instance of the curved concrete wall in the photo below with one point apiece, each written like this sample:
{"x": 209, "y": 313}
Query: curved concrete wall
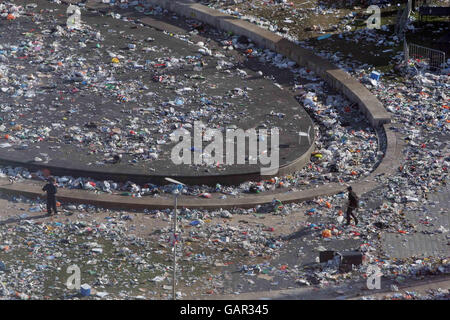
{"x": 388, "y": 166}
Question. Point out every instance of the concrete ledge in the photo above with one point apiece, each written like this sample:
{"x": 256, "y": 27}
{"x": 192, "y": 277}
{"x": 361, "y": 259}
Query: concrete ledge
{"x": 160, "y": 25}
{"x": 124, "y": 202}
{"x": 389, "y": 164}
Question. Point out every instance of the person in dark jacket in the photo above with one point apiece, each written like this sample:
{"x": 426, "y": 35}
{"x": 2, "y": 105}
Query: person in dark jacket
{"x": 51, "y": 190}
{"x": 353, "y": 203}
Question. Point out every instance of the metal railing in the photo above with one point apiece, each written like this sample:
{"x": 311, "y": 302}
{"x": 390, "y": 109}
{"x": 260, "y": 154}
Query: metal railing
{"x": 433, "y": 58}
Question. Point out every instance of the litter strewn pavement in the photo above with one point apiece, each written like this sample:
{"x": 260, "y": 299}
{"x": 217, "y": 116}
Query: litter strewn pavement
{"x": 241, "y": 250}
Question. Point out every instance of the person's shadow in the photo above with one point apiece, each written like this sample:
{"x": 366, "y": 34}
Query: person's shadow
{"x": 298, "y": 234}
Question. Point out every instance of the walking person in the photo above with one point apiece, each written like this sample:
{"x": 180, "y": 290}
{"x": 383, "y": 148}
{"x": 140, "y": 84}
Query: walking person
{"x": 51, "y": 190}
{"x": 353, "y": 203}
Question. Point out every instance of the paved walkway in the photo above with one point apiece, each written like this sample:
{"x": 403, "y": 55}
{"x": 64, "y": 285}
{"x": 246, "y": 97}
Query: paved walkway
{"x": 355, "y": 291}
{"x": 429, "y": 240}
